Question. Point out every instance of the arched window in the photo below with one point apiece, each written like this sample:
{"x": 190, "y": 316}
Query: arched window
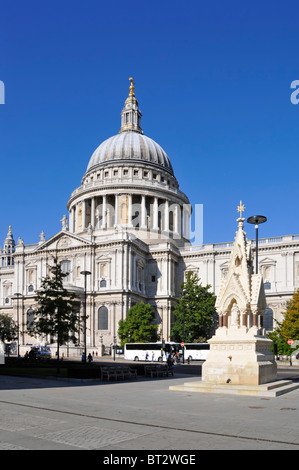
{"x": 30, "y": 319}
{"x": 103, "y": 318}
{"x": 268, "y": 319}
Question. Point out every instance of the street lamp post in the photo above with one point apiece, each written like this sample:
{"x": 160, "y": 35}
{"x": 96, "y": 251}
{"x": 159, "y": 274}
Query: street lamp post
{"x": 18, "y": 295}
{"x": 85, "y": 274}
{"x": 256, "y": 220}
{"x": 184, "y": 326}
{"x": 114, "y": 346}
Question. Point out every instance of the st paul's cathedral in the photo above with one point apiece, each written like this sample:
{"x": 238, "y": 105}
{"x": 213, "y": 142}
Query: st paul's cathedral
{"x": 128, "y": 226}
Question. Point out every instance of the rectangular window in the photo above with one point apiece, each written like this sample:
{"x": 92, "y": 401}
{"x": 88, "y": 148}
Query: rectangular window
{"x": 66, "y": 269}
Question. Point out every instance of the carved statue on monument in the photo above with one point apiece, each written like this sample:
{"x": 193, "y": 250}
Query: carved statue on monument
{"x": 235, "y": 313}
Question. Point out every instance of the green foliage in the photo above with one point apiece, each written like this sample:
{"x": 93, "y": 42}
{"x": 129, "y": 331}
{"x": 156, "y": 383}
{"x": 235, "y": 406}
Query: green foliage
{"x": 139, "y": 325}
{"x": 290, "y": 325}
{"x": 8, "y": 328}
{"x": 195, "y": 312}
{"x": 57, "y": 313}
{"x": 283, "y": 348}
{"x": 288, "y": 328}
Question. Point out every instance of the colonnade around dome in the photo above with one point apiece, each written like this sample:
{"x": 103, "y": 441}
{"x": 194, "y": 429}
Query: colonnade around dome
{"x": 140, "y": 212}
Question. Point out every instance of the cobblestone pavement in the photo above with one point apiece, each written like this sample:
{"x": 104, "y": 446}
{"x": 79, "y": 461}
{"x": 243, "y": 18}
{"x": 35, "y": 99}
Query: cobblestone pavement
{"x": 39, "y": 414}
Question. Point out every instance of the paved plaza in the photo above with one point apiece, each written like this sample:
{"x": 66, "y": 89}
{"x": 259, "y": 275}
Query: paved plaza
{"x": 49, "y": 414}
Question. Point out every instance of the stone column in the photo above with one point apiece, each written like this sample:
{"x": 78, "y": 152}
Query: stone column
{"x": 143, "y": 214}
{"x": 130, "y": 210}
{"x": 166, "y": 216}
{"x": 182, "y": 222}
{"x": 92, "y": 215}
{"x": 84, "y": 214}
{"x": 244, "y": 318}
{"x": 177, "y": 219}
{"x": 155, "y": 214}
{"x": 75, "y": 218}
{"x": 186, "y": 221}
{"x": 104, "y": 212}
{"x": 116, "y": 210}
{"x": 71, "y": 220}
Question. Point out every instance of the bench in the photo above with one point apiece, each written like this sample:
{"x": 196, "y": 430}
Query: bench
{"x": 117, "y": 373}
{"x": 157, "y": 370}
{"x": 126, "y": 372}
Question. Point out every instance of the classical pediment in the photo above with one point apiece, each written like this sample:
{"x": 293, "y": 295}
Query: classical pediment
{"x": 267, "y": 261}
{"x": 63, "y": 240}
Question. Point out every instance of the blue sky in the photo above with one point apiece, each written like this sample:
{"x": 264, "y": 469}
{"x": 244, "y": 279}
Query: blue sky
{"x": 213, "y": 84}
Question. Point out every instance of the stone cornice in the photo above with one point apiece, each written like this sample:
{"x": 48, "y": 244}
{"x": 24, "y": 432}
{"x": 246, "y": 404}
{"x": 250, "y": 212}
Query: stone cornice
{"x": 143, "y": 188}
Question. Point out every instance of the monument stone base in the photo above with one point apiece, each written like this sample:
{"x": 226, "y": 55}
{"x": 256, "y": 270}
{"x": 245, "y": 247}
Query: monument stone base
{"x": 270, "y": 390}
{"x": 241, "y": 365}
{"x": 246, "y": 360}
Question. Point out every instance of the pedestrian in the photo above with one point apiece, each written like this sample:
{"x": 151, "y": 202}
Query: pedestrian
{"x": 170, "y": 364}
{"x": 153, "y": 356}
{"x": 89, "y": 357}
{"x": 146, "y": 356}
{"x": 83, "y": 357}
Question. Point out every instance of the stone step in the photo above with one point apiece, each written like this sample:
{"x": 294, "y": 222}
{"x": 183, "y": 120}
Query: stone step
{"x": 271, "y": 389}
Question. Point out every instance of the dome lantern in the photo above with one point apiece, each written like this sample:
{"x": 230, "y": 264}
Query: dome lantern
{"x": 130, "y": 145}
{"x": 131, "y": 116}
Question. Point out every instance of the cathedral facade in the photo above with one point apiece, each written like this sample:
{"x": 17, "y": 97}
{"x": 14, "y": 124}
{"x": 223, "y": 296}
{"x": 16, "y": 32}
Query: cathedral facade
{"x": 125, "y": 240}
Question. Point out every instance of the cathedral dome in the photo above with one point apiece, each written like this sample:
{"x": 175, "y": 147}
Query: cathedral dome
{"x": 130, "y": 145}
{"x": 129, "y": 182}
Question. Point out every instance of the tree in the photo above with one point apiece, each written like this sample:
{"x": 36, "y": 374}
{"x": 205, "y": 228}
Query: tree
{"x": 281, "y": 347}
{"x": 290, "y": 326}
{"x": 8, "y": 328}
{"x": 195, "y": 312}
{"x": 58, "y": 309}
{"x": 139, "y": 325}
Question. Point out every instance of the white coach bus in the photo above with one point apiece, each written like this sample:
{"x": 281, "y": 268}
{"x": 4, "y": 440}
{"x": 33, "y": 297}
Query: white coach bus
{"x": 196, "y": 351}
{"x": 150, "y": 351}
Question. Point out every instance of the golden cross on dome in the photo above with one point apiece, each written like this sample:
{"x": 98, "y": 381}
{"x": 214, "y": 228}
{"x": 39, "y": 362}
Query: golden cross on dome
{"x": 132, "y": 88}
{"x": 241, "y": 209}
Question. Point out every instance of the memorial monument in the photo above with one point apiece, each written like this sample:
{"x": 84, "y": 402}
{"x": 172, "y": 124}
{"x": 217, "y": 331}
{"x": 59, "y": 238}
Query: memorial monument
{"x": 239, "y": 352}
{"x": 240, "y": 358}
